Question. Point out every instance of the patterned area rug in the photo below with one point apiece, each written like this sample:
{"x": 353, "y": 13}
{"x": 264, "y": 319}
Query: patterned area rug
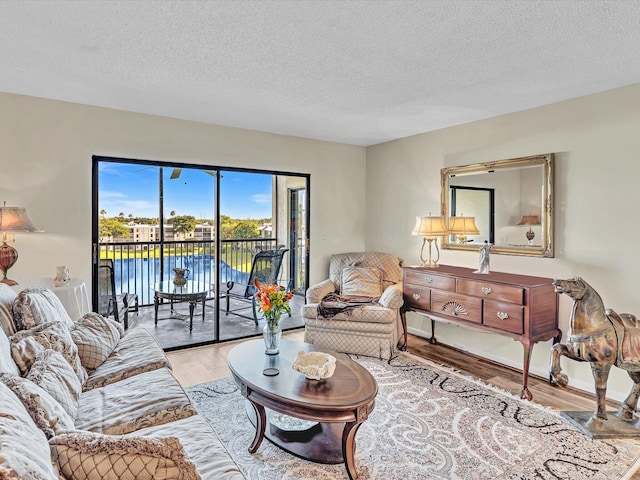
{"x": 431, "y": 423}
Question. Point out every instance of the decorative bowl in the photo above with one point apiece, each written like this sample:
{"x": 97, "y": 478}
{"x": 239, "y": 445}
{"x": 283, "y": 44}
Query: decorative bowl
{"x": 314, "y": 365}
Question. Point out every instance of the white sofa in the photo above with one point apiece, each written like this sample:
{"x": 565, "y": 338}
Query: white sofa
{"x": 84, "y": 400}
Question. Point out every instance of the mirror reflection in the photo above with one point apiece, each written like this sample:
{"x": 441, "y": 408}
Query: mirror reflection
{"x": 508, "y": 203}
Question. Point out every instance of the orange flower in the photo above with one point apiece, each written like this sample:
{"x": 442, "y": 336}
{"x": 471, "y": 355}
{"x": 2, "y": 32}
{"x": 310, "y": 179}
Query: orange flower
{"x": 272, "y": 300}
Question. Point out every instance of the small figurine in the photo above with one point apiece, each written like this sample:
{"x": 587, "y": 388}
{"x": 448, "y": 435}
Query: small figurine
{"x": 484, "y": 258}
{"x": 62, "y": 276}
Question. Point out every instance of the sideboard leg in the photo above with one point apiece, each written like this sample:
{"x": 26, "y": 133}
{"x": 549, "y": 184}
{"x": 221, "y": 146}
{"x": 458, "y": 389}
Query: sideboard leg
{"x": 526, "y": 394}
{"x": 433, "y": 340}
{"x": 403, "y": 316}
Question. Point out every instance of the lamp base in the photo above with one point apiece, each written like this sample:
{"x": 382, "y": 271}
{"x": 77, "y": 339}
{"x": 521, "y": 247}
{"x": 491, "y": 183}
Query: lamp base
{"x": 8, "y": 281}
{"x": 430, "y": 265}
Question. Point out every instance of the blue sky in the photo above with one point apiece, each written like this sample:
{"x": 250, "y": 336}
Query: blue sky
{"x": 133, "y": 189}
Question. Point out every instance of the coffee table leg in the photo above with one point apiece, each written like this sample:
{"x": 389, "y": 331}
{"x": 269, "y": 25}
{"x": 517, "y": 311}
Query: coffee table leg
{"x": 349, "y": 448}
{"x": 261, "y": 426}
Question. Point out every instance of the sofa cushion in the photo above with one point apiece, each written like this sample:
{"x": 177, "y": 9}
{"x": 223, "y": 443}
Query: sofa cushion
{"x": 45, "y": 411}
{"x": 24, "y": 449}
{"x": 96, "y": 338}
{"x": 128, "y": 360}
{"x": 34, "y": 306}
{"x": 202, "y": 445}
{"x": 150, "y": 398}
{"x": 92, "y": 456}
{"x": 54, "y": 374}
{"x": 7, "y": 297}
{"x": 7, "y": 365}
{"x": 26, "y": 345}
{"x": 361, "y": 281}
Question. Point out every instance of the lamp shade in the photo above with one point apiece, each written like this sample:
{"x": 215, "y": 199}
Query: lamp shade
{"x": 529, "y": 220}
{"x": 15, "y": 219}
{"x": 463, "y": 226}
{"x": 430, "y": 227}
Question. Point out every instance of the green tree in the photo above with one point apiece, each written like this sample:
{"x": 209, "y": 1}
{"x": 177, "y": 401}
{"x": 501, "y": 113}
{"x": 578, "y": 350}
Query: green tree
{"x": 184, "y": 224}
{"x": 245, "y": 229}
{"x": 111, "y": 228}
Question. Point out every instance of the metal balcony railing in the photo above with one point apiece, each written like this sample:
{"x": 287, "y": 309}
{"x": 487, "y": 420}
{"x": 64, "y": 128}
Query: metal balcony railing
{"x": 139, "y": 265}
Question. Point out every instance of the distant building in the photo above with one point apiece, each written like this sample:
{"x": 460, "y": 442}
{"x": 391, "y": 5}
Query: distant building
{"x": 151, "y": 233}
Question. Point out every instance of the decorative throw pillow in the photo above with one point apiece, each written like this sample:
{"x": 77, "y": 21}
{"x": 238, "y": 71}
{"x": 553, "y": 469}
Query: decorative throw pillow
{"x": 45, "y": 411}
{"x": 27, "y": 344}
{"x": 25, "y": 453}
{"x": 86, "y": 455}
{"x": 7, "y": 297}
{"x": 34, "y": 306}
{"x": 361, "y": 281}
{"x": 7, "y": 365}
{"x": 96, "y": 338}
{"x": 54, "y": 374}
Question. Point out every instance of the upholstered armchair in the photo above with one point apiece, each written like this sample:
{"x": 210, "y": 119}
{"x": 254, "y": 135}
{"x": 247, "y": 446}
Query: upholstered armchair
{"x": 374, "y": 328}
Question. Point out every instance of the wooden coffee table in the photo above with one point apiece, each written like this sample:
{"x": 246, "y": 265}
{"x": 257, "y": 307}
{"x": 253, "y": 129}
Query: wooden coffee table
{"x": 335, "y": 407}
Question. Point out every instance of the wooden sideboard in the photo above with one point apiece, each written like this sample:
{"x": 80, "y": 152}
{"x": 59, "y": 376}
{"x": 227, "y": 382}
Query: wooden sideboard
{"x": 522, "y": 307}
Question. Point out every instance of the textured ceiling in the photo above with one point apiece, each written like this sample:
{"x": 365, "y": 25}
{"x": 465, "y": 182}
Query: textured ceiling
{"x": 351, "y": 71}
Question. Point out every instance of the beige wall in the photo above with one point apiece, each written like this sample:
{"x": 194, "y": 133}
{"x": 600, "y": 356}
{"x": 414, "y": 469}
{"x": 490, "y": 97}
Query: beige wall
{"x": 45, "y": 164}
{"x": 596, "y": 140}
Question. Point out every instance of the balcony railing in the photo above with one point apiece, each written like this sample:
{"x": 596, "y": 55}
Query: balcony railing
{"x": 139, "y": 265}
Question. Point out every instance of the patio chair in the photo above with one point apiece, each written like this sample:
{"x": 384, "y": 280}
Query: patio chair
{"x": 265, "y": 268}
{"x": 110, "y": 302}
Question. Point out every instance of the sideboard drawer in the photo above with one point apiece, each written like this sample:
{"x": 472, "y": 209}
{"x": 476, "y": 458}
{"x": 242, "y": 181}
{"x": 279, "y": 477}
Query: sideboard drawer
{"x": 459, "y": 306}
{"x": 493, "y": 291}
{"x": 505, "y": 316}
{"x": 418, "y": 297}
{"x": 428, "y": 279}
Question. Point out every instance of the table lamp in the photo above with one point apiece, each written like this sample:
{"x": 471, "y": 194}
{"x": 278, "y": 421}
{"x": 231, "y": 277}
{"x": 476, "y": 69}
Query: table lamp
{"x": 530, "y": 220}
{"x": 462, "y": 226}
{"x": 430, "y": 228}
{"x": 12, "y": 219}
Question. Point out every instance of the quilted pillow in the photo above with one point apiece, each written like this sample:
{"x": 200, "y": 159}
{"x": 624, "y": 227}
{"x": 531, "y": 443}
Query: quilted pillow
{"x": 25, "y": 452}
{"x": 54, "y": 374}
{"x": 27, "y": 344}
{"x": 96, "y": 338}
{"x": 361, "y": 281}
{"x": 86, "y": 455}
{"x": 7, "y": 365}
{"x": 34, "y": 306}
{"x": 45, "y": 411}
{"x": 7, "y": 297}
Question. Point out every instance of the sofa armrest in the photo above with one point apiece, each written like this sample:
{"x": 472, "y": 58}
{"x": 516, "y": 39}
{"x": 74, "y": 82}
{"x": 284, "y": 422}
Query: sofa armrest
{"x": 392, "y": 296}
{"x": 316, "y": 292}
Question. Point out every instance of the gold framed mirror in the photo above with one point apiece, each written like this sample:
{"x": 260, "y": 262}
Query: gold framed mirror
{"x": 510, "y": 201}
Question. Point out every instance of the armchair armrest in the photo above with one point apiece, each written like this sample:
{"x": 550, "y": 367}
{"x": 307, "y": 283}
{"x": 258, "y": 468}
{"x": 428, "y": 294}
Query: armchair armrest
{"x": 316, "y": 292}
{"x": 392, "y": 296}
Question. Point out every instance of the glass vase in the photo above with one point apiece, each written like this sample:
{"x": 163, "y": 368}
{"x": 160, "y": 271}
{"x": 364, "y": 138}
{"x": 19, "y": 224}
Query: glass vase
{"x": 271, "y": 334}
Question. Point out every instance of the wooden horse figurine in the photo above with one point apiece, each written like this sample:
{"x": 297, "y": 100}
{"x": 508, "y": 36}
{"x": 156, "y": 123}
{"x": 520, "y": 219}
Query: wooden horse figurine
{"x": 603, "y": 338}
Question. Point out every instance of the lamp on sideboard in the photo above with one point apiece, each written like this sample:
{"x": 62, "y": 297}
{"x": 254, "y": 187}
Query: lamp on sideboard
{"x": 430, "y": 228}
{"x": 530, "y": 220}
{"x": 12, "y": 220}
{"x": 462, "y": 226}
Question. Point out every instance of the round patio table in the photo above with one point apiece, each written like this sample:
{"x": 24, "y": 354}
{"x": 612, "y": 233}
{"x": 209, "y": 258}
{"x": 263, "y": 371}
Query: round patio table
{"x": 192, "y": 292}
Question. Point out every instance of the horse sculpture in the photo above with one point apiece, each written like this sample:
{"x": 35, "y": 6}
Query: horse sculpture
{"x": 603, "y": 338}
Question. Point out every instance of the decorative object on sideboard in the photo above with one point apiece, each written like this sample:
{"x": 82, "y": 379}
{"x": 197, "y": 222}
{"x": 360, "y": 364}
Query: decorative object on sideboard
{"x": 430, "y": 228}
{"x": 12, "y": 220}
{"x": 603, "y": 338}
{"x": 62, "y": 276}
{"x": 530, "y": 220}
{"x": 461, "y": 227}
{"x": 485, "y": 253}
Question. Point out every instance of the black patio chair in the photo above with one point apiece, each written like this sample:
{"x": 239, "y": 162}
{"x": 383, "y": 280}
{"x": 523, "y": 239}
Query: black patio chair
{"x": 265, "y": 267}
{"x": 110, "y": 302}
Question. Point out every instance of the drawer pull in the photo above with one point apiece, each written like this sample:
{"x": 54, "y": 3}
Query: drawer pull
{"x": 486, "y": 290}
{"x": 428, "y": 279}
{"x": 502, "y": 315}
{"x": 416, "y": 296}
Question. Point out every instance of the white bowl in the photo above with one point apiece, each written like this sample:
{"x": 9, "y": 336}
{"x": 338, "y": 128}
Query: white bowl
{"x": 314, "y": 365}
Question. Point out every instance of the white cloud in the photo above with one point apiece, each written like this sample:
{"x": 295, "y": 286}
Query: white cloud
{"x": 261, "y": 198}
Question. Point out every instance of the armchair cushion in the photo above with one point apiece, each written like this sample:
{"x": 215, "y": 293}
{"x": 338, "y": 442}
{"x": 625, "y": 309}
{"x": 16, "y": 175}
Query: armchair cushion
{"x": 392, "y": 297}
{"x": 317, "y": 292}
{"x": 361, "y": 281}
